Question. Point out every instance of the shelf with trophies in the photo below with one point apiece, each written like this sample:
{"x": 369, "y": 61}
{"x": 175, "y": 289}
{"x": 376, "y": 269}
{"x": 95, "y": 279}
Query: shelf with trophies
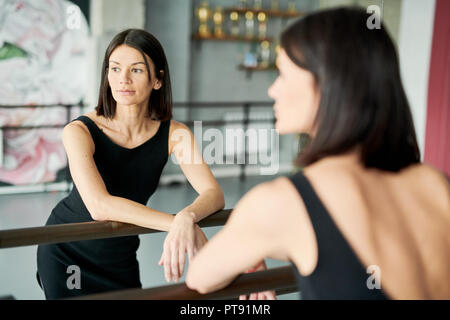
{"x": 246, "y": 22}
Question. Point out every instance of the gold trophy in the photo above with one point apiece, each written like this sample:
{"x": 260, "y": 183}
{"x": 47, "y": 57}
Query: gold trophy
{"x": 234, "y": 21}
{"x": 291, "y": 6}
{"x": 249, "y": 24}
{"x": 265, "y": 53}
{"x": 218, "y": 18}
{"x": 262, "y": 27}
{"x": 276, "y": 52}
{"x": 203, "y": 15}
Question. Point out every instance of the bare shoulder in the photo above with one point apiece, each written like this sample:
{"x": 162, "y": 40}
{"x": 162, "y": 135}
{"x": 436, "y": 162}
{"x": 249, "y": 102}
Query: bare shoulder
{"x": 74, "y": 129}
{"x": 281, "y": 192}
{"x": 91, "y": 115}
{"x": 76, "y": 133}
{"x": 433, "y": 182}
{"x": 79, "y": 124}
{"x": 291, "y": 208}
{"x": 429, "y": 172}
{"x": 330, "y": 175}
{"x": 268, "y": 195}
{"x": 178, "y": 129}
{"x": 276, "y": 212}
{"x": 178, "y": 132}
{"x": 274, "y": 204}
{"x": 174, "y": 125}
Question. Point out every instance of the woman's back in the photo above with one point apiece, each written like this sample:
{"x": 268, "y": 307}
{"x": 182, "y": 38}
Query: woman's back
{"x": 398, "y": 220}
{"x": 331, "y": 86}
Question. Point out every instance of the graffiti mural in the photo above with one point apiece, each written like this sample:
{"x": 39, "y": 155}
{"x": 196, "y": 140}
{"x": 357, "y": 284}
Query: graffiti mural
{"x": 43, "y": 61}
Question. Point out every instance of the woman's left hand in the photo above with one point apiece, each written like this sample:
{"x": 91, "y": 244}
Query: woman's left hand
{"x": 184, "y": 236}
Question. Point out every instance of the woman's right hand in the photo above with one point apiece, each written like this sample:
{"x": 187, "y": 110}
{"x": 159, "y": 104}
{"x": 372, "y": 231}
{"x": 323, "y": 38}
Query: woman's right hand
{"x": 264, "y": 295}
{"x": 184, "y": 236}
{"x": 200, "y": 239}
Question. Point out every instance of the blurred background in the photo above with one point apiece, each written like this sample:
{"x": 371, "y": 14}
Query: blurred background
{"x": 221, "y": 57}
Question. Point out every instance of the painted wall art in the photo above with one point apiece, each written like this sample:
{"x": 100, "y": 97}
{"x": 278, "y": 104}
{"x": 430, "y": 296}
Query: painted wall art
{"x": 43, "y": 62}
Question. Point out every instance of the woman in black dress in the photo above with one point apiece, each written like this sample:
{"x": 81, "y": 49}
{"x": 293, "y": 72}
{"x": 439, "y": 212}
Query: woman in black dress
{"x": 116, "y": 155}
{"x": 364, "y": 219}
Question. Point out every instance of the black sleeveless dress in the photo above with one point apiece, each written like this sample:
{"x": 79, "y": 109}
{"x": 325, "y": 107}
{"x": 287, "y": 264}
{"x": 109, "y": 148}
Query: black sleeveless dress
{"x": 104, "y": 264}
{"x": 339, "y": 273}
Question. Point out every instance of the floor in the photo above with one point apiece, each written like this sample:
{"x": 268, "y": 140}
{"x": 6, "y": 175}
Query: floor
{"x": 18, "y": 265}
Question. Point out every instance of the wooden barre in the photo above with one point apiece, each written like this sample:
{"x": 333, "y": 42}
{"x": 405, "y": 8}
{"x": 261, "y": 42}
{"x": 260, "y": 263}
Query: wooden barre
{"x": 281, "y": 279}
{"x": 88, "y": 231}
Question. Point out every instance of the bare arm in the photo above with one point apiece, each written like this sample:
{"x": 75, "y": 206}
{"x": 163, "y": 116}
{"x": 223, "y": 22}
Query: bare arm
{"x": 210, "y": 196}
{"x": 100, "y": 204}
{"x": 183, "y": 234}
{"x": 253, "y": 232}
{"x": 210, "y": 199}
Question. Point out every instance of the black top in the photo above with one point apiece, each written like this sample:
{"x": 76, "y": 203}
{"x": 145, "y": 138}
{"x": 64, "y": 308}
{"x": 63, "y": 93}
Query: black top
{"x": 110, "y": 263}
{"x": 339, "y": 273}
{"x": 128, "y": 173}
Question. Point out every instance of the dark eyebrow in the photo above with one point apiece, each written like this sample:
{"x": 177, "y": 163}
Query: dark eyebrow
{"x": 131, "y": 64}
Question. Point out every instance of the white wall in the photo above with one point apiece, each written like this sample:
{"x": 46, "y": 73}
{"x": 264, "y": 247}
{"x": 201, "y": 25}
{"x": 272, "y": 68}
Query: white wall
{"x": 390, "y": 11}
{"x": 169, "y": 22}
{"x": 107, "y": 18}
{"x": 415, "y": 40}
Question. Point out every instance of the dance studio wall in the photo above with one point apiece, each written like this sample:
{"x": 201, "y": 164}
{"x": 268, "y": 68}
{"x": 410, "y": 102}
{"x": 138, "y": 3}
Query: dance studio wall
{"x": 42, "y": 62}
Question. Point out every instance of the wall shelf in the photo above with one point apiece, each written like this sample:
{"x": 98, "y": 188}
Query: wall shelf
{"x": 269, "y": 12}
{"x": 257, "y": 68}
{"x": 239, "y": 16}
{"x": 227, "y": 37}
{"x": 250, "y": 69}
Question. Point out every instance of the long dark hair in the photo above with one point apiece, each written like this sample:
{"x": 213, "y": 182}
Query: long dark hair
{"x": 362, "y": 100}
{"x": 160, "y": 102}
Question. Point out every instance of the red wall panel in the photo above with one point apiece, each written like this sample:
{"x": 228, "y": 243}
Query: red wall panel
{"x": 437, "y": 139}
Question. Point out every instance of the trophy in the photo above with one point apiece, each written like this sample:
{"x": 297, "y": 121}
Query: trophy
{"x": 265, "y": 53}
{"x": 203, "y": 15}
{"x": 234, "y": 22}
{"x": 277, "y": 48}
{"x": 251, "y": 60}
{"x": 249, "y": 24}
{"x": 262, "y": 27}
{"x": 291, "y": 6}
{"x": 218, "y": 18}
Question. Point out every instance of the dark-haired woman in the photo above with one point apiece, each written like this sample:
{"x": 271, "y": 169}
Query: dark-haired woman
{"x": 116, "y": 155}
{"x": 364, "y": 219}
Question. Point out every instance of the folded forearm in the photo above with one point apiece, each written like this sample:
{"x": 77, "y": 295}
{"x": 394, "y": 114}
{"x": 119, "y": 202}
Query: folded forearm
{"x": 206, "y": 203}
{"x": 119, "y": 209}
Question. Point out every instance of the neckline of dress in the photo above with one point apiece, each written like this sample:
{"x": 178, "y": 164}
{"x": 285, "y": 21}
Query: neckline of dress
{"x": 122, "y": 147}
